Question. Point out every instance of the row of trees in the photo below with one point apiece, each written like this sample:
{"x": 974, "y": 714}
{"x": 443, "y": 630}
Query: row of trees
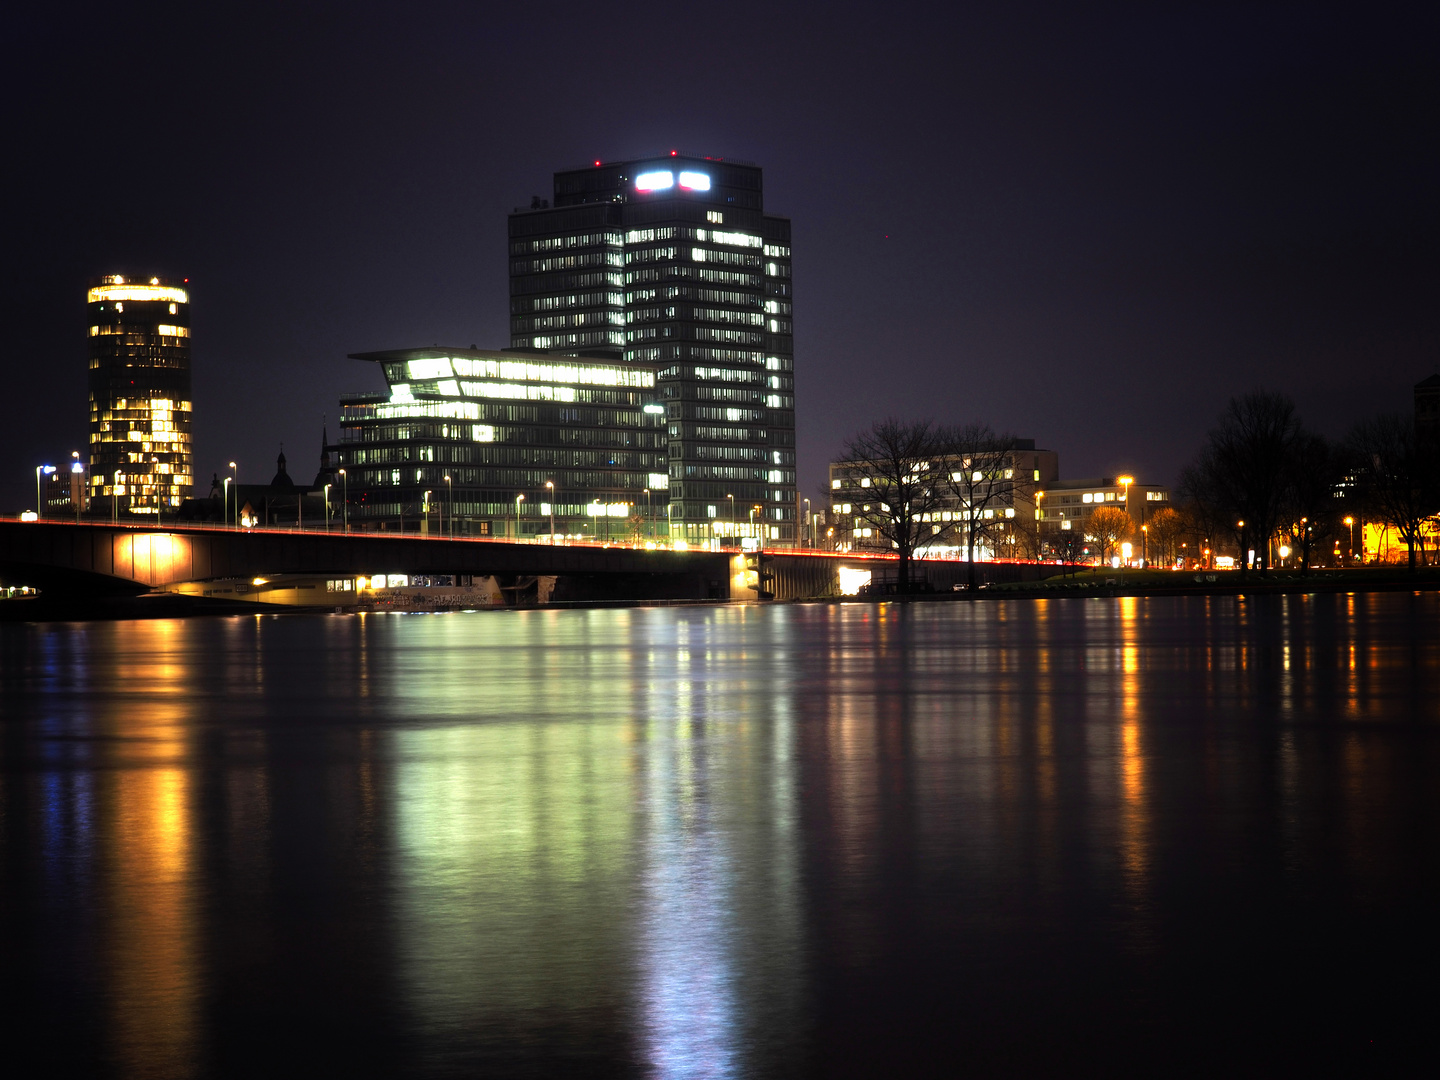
{"x": 1263, "y": 476}
{"x": 925, "y": 483}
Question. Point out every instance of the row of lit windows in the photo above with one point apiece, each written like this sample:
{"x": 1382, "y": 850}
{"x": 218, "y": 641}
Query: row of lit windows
{"x": 563, "y": 243}
{"x": 562, "y": 322}
{"x": 570, "y": 300}
{"x": 695, "y": 273}
{"x": 566, "y": 262}
{"x": 562, "y": 341}
{"x": 541, "y": 371}
{"x": 520, "y": 286}
{"x": 163, "y": 328}
{"x": 521, "y": 479}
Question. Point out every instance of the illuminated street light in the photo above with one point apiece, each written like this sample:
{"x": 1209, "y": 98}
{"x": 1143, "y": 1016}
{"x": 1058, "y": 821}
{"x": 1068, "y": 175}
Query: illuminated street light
{"x": 235, "y": 479}
{"x": 345, "y": 494}
{"x": 1350, "y": 530}
{"x": 550, "y": 485}
{"x": 115, "y": 497}
{"x": 327, "y": 506}
{"x": 518, "y": 500}
{"x": 450, "y": 489}
{"x": 39, "y": 506}
{"x": 647, "y": 512}
{"x": 732, "y": 514}
{"x": 425, "y": 510}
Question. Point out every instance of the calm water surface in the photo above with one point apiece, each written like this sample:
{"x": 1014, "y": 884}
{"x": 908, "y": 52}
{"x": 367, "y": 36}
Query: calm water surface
{"x": 1033, "y": 837}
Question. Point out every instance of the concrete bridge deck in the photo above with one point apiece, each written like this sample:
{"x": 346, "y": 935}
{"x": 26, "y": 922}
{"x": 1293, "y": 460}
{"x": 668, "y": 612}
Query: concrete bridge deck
{"x": 99, "y": 558}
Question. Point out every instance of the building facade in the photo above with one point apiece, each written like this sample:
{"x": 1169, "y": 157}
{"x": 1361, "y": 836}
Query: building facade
{"x": 510, "y": 443}
{"x": 1001, "y": 489}
{"x": 673, "y": 262}
{"x": 140, "y": 408}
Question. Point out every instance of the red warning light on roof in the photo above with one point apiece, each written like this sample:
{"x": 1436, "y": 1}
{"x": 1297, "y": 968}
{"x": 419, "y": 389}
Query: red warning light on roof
{"x": 672, "y": 153}
{"x": 597, "y": 163}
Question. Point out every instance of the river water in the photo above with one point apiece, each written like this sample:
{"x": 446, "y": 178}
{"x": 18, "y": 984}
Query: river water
{"x": 998, "y": 838}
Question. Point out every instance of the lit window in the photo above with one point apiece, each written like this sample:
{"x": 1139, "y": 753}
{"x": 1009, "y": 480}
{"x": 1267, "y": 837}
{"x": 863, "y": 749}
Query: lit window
{"x": 1087, "y": 497}
{"x": 835, "y": 485}
{"x": 865, "y": 482}
{"x": 695, "y": 181}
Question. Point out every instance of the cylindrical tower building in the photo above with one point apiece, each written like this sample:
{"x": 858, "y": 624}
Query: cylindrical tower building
{"x": 140, "y": 453}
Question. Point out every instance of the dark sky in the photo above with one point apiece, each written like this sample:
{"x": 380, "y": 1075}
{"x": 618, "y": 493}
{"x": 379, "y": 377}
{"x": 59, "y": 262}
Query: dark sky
{"x": 1087, "y": 224}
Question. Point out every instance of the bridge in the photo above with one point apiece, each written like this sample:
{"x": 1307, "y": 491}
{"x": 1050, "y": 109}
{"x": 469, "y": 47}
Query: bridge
{"x": 104, "y": 559}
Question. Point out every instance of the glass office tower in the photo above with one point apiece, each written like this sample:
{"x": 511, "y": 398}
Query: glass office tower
{"x": 673, "y": 261}
{"x": 140, "y": 451}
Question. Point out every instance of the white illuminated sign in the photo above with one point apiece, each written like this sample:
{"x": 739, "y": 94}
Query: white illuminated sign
{"x": 655, "y": 181}
{"x": 695, "y": 181}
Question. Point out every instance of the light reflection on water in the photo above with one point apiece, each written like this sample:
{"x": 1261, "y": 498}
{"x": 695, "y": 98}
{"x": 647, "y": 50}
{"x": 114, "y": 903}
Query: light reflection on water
{"x": 825, "y": 839}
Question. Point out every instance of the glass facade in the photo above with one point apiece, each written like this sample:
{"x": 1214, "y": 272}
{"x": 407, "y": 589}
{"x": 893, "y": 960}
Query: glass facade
{"x": 140, "y": 411}
{"x": 525, "y": 438}
{"x": 672, "y": 262}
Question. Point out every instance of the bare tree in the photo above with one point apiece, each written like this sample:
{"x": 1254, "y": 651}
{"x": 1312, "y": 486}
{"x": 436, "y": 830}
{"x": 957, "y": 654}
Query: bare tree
{"x": 1397, "y": 475}
{"x": 1165, "y": 528}
{"x": 1107, "y": 527}
{"x": 891, "y": 468}
{"x": 1308, "y": 503}
{"x": 979, "y": 476}
{"x": 1240, "y": 473}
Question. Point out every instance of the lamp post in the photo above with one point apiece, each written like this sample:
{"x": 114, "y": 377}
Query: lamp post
{"x": 77, "y": 467}
{"x": 425, "y": 511}
{"x": 1144, "y": 545}
{"x": 225, "y": 508}
{"x": 809, "y": 541}
{"x": 1244, "y": 566}
{"x": 40, "y": 506}
{"x": 518, "y": 500}
{"x": 1350, "y": 532}
{"x": 450, "y": 491}
{"x": 647, "y": 513}
{"x": 345, "y": 494}
{"x": 732, "y": 515}
{"x": 327, "y": 507}
{"x": 235, "y": 479}
{"x": 550, "y": 487}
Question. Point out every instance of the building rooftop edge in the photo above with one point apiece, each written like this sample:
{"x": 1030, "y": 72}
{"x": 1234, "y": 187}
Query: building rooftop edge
{"x": 427, "y": 353}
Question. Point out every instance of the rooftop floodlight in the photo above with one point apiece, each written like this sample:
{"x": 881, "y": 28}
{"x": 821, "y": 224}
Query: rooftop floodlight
{"x": 695, "y": 181}
{"x": 655, "y": 181}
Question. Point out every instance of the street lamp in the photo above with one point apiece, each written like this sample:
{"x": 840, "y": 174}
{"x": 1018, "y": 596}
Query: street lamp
{"x": 450, "y": 489}
{"x": 345, "y": 493}
{"x": 809, "y": 540}
{"x": 225, "y": 510}
{"x": 647, "y": 512}
{"x": 425, "y": 510}
{"x": 77, "y": 467}
{"x": 235, "y": 479}
{"x": 39, "y": 506}
{"x": 732, "y": 515}
{"x": 518, "y": 500}
{"x": 327, "y": 506}
{"x": 1350, "y": 531}
{"x": 550, "y": 486}
{"x": 1144, "y": 545}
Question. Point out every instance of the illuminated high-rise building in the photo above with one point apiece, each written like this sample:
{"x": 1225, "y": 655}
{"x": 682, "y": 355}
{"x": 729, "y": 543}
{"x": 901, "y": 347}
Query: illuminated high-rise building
{"x": 140, "y": 453}
{"x": 672, "y": 261}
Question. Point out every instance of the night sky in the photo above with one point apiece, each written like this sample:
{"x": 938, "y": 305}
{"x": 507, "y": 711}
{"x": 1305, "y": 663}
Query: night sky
{"x": 1088, "y": 225}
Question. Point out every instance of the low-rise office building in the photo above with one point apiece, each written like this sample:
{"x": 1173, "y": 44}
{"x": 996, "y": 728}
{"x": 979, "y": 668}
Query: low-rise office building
{"x": 517, "y": 443}
{"x": 1063, "y": 505}
{"x": 1003, "y": 480}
